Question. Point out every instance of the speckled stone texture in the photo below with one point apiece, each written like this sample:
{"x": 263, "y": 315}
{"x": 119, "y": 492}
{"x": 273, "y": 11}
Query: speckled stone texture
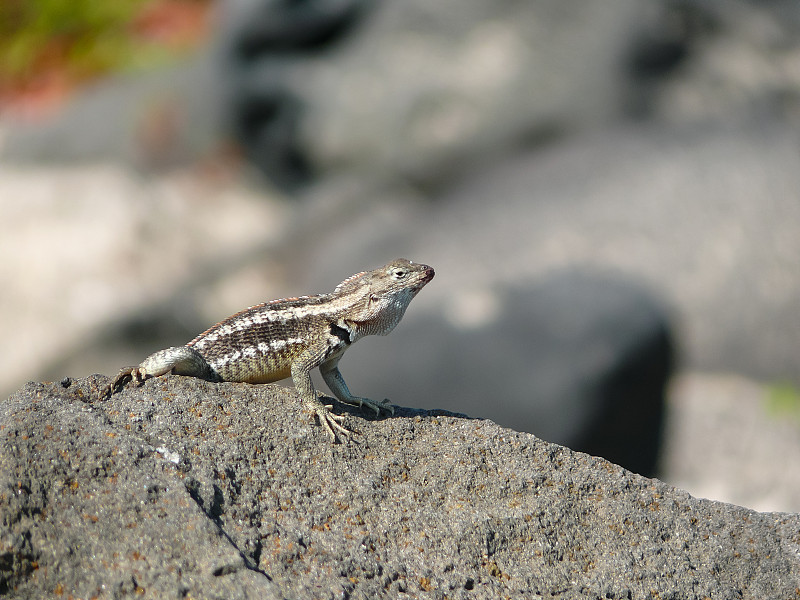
{"x": 183, "y": 488}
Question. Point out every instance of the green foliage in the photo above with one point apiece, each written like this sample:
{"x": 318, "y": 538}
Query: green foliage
{"x": 783, "y": 400}
{"x": 84, "y": 37}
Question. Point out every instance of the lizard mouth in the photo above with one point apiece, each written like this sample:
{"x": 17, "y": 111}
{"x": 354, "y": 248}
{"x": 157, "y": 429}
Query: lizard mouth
{"x": 429, "y": 273}
{"x": 426, "y": 277}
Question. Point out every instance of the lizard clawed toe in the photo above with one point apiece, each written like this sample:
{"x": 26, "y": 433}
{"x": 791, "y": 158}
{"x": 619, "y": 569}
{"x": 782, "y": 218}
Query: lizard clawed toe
{"x": 330, "y": 421}
{"x": 125, "y": 376}
{"x": 376, "y": 405}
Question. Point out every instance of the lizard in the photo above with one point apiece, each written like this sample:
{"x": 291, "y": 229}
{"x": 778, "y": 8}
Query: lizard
{"x": 290, "y": 337}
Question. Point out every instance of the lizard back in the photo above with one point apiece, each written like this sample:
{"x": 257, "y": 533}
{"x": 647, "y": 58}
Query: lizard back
{"x": 258, "y": 344}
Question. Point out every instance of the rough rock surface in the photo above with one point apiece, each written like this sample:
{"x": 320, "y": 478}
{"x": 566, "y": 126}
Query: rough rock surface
{"x": 171, "y": 491}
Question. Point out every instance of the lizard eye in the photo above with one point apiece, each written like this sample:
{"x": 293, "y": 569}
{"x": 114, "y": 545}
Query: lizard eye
{"x": 399, "y": 273}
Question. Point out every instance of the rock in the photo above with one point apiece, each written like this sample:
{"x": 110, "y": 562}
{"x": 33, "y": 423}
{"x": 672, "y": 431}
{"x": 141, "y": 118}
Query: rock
{"x": 416, "y": 90}
{"x": 706, "y": 219}
{"x": 182, "y": 488}
{"x": 735, "y": 63}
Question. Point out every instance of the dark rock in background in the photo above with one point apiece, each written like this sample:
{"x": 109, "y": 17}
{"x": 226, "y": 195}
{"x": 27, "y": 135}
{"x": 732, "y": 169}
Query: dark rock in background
{"x": 738, "y": 67}
{"x": 578, "y": 358}
{"x": 706, "y": 220}
{"x": 258, "y": 28}
{"x": 185, "y": 488}
{"x": 257, "y": 40}
{"x": 418, "y": 91}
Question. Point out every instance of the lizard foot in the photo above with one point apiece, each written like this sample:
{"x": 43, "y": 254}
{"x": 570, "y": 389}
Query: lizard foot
{"x": 374, "y": 405}
{"x": 125, "y": 375}
{"x": 330, "y": 422}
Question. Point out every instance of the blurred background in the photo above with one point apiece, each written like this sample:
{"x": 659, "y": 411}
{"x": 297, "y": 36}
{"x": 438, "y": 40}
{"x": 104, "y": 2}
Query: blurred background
{"x": 609, "y": 193}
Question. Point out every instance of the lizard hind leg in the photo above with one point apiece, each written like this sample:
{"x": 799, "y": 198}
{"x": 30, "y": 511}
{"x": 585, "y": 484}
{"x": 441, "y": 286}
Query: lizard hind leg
{"x": 180, "y": 360}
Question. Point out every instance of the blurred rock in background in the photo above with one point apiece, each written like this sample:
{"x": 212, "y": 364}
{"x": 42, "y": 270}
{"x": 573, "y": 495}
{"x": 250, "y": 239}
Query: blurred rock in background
{"x": 607, "y": 194}
{"x": 418, "y": 91}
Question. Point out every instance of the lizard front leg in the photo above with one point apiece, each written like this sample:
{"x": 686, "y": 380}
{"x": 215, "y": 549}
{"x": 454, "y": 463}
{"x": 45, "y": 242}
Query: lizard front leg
{"x": 180, "y": 360}
{"x": 334, "y": 380}
{"x": 301, "y": 376}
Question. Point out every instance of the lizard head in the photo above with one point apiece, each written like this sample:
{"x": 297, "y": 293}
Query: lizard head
{"x": 378, "y": 299}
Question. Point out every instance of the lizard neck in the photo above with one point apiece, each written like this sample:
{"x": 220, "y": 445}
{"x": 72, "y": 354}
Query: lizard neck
{"x": 380, "y": 323}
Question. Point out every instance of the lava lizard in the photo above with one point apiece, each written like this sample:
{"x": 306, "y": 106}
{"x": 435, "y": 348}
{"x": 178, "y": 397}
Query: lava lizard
{"x": 291, "y": 336}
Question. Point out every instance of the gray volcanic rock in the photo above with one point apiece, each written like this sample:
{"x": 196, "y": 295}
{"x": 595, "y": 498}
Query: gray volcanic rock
{"x": 184, "y": 488}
